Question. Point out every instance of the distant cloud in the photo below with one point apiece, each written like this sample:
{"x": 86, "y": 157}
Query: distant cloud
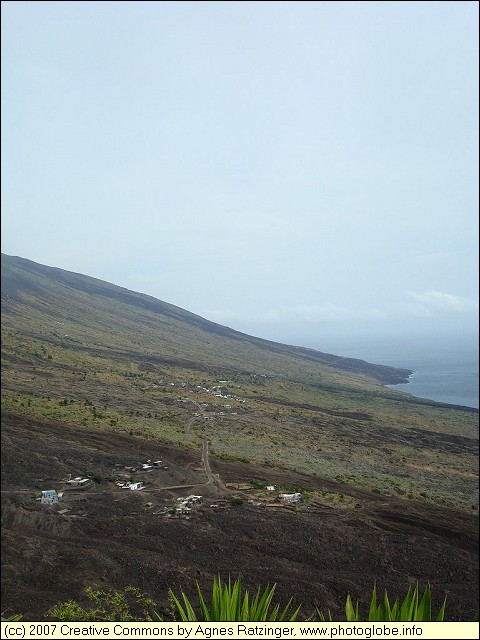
{"x": 300, "y": 313}
{"x": 323, "y": 313}
{"x": 428, "y": 304}
{"x": 434, "y": 303}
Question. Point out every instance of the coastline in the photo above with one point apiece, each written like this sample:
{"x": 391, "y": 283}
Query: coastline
{"x": 430, "y": 401}
{"x": 441, "y": 371}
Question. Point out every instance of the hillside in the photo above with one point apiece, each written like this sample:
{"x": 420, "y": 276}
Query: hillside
{"x": 96, "y": 377}
{"x": 38, "y": 289}
{"x": 81, "y": 350}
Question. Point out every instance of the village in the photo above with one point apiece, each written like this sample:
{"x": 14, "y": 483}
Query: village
{"x": 163, "y": 487}
{"x": 160, "y": 496}
{"x": 175, "y": 491}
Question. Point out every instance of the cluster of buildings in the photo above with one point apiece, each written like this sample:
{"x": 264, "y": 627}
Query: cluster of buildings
{"x": 147, "y": 466}
{"x": 51, "y": 496}
{"x": 134, "y": 486}
{"x": 218, "y": 392}
{"x": 185, "y": 504}
{"x": 144, "y": 467}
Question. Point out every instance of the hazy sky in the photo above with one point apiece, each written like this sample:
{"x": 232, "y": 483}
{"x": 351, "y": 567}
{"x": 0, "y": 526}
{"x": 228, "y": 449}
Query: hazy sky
{"x": 291, "y": 169}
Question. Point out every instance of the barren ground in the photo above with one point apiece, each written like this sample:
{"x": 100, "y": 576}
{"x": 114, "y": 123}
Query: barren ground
{"x": 112, "y": 538}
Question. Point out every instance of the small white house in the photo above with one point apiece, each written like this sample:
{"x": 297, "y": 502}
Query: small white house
{"x": 271, "y": 487}
{"x": 136, "y": 486}
{"x": 50, "y": 496}
{"x": 290, "y": 497}
{"x": 78, "y": 483}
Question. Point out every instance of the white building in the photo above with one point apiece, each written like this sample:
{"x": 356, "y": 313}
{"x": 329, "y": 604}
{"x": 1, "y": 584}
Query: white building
{"x": 50, "y": 496}
{"x": 78, "y": 483}
{"x": 290, "y": 497}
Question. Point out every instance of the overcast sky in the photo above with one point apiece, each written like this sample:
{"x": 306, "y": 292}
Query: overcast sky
{"x": 290, "y": 169}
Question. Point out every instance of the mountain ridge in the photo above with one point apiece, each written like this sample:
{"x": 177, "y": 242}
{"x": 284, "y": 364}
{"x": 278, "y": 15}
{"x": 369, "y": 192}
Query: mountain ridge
{"x": 15, "y": 284}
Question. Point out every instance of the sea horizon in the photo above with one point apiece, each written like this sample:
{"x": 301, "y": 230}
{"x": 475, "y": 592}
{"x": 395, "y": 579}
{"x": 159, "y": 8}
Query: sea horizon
{"x": 444, "y": 370}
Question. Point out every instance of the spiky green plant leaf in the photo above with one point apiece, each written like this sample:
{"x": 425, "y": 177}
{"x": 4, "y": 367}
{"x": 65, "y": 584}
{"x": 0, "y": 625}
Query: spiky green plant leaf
{"x": 228, "y": 603}
{"x": 350, "y": 611}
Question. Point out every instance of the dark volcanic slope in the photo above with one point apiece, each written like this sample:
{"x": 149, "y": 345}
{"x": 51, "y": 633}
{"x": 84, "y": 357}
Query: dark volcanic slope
{"x": 109, "y": 538}
{"x": 26, "y": 282}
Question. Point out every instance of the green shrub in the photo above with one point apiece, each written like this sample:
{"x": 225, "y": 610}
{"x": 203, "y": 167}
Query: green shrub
{"x": 258, "y": 485}
{"x": 93, "y": 475}
{"x": 108, "y": 606}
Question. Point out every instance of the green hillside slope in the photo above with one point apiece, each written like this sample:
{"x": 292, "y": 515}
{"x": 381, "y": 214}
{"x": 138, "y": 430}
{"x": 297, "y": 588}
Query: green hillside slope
{"x": 81, "y": 351}
{"x": 106, "y": 315}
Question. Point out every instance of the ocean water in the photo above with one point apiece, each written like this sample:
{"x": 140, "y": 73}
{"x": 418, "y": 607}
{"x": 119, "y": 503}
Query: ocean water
{"x": 445, "y": 370}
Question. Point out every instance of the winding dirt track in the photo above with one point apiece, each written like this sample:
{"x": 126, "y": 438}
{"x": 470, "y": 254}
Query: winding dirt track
{"x": 211, "y": 477}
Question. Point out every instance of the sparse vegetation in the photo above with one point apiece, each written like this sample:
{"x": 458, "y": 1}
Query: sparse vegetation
{"x": 15, "y": 617}
{"x": 93, "y": 475}
{"x": 230, "y": 602}
{"x": 129, "y": 605}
